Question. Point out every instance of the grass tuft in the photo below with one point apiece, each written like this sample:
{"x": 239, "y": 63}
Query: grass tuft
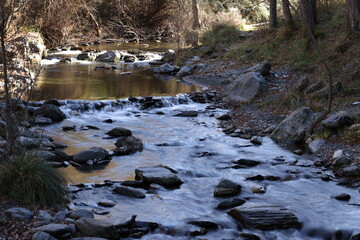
{"x": 33, "y": 181}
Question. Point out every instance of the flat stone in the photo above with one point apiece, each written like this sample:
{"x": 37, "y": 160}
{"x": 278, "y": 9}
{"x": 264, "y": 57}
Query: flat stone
{"x": 246, "y": 162}
{"x": 20, "y": 214}
{"x": 187, "y": 114}
{"x": 42, "y": 121}
{"x": 81, "y": 213}
{"x": 227, "y": 188}
{"x": 94, "y": 154}
{"x": 128, "y": 192}
{"x": 235, "y": 202}
{"x": 106, "y": 204}
{"x": 265, "y": 217}
{"x": 54, "y": 229}
{"x": 204, "y": 224}
{"x": 96, "y": 228}
{"x": 42, "y": 236}
{"x": 159, "y": 175}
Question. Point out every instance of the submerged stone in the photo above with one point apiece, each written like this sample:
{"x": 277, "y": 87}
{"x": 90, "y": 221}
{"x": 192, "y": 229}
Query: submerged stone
{"x": 159, "y": 175}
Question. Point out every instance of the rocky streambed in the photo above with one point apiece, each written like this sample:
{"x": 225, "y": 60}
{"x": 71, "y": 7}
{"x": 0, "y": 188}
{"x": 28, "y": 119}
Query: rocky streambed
{"x": 188, "y": 179}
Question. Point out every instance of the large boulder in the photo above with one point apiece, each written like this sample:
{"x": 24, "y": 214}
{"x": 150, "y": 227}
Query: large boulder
{"x": 94, "y": 154}
{"x": 86, "y": 56}
{"x": 159, "y": 175}
{"x": 265, "y": 217}
{"x": 110, "y": 56}
{"x": 338, "y": 120}
{"x": 293, "y": 128}
{"x": 128, "y": 145}
{"x": 165, "y": 68}
{"x": 245, "y": 88}
{"x": 51, "y": 111}
{"x": 96, "y": 228}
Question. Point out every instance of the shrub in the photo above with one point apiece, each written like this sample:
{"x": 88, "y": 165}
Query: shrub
{"x": 33, "y": 181}
{"x": 221, "y": 33}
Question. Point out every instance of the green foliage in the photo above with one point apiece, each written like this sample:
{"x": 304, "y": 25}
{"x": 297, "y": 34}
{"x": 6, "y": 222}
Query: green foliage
{"x": 221, "y": 33}
{"x": 29, "y": 179}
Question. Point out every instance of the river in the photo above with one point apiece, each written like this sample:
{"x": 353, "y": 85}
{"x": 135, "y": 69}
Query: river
{"x": 201, "y": 154}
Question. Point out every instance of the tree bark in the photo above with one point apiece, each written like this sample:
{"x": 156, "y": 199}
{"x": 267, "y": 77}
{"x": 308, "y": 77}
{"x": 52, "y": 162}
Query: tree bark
{"x": 273, "y": 14}
{"x": 195, "y": 11}
{"x": 289, "y": 21}
{"x": 307, "y": 14}
{"x": 353, "y": 16}
{"x": 313, "y": 5}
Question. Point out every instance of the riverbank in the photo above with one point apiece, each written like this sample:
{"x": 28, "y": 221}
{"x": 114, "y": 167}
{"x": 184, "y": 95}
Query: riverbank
{"x": 261, "y": 115}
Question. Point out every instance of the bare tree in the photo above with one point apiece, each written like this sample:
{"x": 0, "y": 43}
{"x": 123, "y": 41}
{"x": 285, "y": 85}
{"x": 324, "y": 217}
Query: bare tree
{"x": 195, "y": 10}
{"x": 8, "y": 10}
{"x": 353, "y": 15}
{"x": 273, "y": 14}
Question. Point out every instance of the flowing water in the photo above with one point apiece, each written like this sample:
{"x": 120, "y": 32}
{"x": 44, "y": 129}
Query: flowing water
{"x": 202, "y": 155}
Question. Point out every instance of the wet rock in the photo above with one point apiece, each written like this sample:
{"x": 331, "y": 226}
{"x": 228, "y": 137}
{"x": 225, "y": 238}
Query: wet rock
{"x": 42, "y": 236}
{"x": 256, "y": 140}
{"x": 342, "y": 197}
{"x": 258, "y": 189}
{"x": 193, "y": 232}
{"x": 187, "y": 114}
{"x": 293, "y": 128}
{"x": 341, "y": 158}
{"x": 265, "y": 217}
{"x": 69, "y": 128}
{"x": 109, "y": 56}
{"x": 55, "y": 230}
{"x": 224, "y": 117}
{"x": 60, "y": 216}
{"x": 86, "y": 56}
{"x": 185, "y": 71}
{"x": 42, "y": 121}
{"x": 315, "y": 145}
{"x": 159, "y": 175}
{"x": 59, "y": 145}
{"x": 108, "y": 121}
{"x": 81, "y": 213}
{"x": 94, "y": 154}
{"x": 20, "y": 214}
{"x": 338, "y": 120}
{"x": 129, "y": 58}
{"x": 227, "y": 188}
{"x": 248, "y": 236}
{"x": 235, "y": 202}
{"x": 51, "y": 111}
{"x": 63, "y": 156}
{"x": 96, "y": 228}
{"x": 128, "y": 145}
{"x": 355, "y": 235}
{"x": 247, "y": 162}
{"x": 129, "y": 192}
{"x": 298, "y": 152}
{"x": 262, "y": 68}
{"x": 53, "y": 102}
{"x": 107, "y": 204}
{"x": 88, "y": 238}
{"x": 351, "y": 171}
{"x": 119, "y": 132}
{"x": 245, "y": 88}
{"x": 204, "y": 224}
{"x": 166, "y": 68}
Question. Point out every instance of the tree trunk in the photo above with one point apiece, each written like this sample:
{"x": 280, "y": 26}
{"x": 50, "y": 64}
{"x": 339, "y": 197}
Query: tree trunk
{"x": 307, "y": 14}
{"x": 313, "y": 5}
{"x": 354, "y": 16}
{"x": 273, "y": 14}
{"x": 289, "y": 21}
{"x": 195, "y": 11}
{"x": 93, "y": 19}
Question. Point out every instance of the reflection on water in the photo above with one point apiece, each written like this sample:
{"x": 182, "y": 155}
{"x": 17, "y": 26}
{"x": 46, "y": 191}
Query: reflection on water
{"x": 79, "y": 81}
